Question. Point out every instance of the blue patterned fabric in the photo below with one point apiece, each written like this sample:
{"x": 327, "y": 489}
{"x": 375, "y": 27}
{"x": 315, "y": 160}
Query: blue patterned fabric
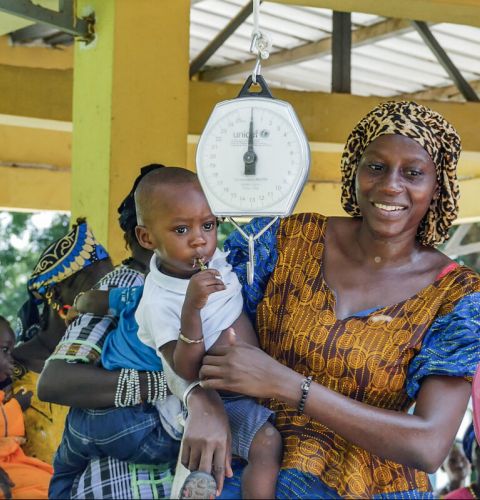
{"x": 296, "y": 485}
{"x": 266, "y": 255}
{"x": 133, "y": 434}
{"x": 123, "y": 348}
{"x": 75, "y": 251}
{"x": 451, "y": 346}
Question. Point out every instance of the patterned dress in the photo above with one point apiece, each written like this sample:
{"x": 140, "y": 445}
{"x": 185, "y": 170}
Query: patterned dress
{"x": 378, "y": 357}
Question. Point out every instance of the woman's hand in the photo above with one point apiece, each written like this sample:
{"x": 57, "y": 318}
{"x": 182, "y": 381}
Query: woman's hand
{"x": 242, "y": 368}
{"x": 206, "y": 442}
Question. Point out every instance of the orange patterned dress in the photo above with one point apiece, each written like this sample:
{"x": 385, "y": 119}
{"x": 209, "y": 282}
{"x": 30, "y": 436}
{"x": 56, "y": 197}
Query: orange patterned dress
{"x": 378, "y": 357}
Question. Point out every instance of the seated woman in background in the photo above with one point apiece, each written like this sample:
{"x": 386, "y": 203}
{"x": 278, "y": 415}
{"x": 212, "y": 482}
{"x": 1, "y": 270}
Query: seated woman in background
{"x": 21, "y": 476}
{"x": 359, "y": 317}
{"x": 471, "y": 450}
{"x": 70, "y": 265}
{"x": 457, "y": 468}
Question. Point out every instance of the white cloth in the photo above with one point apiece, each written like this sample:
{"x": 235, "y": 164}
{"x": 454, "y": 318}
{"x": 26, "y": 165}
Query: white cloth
{"x": 158, "y": 314}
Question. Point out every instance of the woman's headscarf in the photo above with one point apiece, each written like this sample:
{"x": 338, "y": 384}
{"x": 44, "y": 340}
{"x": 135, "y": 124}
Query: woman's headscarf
{"x": 75, "y": 251}
{"x": 439, "y": 139}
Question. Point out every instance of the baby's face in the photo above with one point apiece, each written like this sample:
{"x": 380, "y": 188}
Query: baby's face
{"x": 183, "y": 229}
{"x": 7, "y": 343}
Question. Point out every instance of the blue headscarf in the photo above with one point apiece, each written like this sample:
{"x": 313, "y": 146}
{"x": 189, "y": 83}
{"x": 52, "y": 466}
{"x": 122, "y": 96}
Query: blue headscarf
{"x": 75, "y": 251}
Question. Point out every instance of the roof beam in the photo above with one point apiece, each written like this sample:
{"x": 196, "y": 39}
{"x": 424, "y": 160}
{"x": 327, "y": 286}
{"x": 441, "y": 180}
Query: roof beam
{"x": 447, "y": 93}
{"x": 361, "y": 36}
{"x": 64, "y": 19}
{"x": 47, "y": 94}
{"x": 447, "y": 64}
{"x": 437, "y": 11}
{"x": 220, "y": 39}
{"x": 341, "y": 52}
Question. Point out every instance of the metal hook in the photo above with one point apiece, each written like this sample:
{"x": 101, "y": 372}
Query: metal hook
{"x": 251, "y": 261}
{"x": 257, "y": 69}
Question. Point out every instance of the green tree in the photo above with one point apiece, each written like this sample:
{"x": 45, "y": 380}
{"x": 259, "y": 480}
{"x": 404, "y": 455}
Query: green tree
{"x": 18, "y": 261}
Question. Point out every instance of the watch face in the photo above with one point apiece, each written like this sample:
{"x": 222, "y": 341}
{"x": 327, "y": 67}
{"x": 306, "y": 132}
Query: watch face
{"x": 253, "y": 157}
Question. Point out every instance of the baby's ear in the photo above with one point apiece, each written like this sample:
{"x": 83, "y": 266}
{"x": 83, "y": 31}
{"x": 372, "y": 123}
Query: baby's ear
{"x": 143, "y": 237}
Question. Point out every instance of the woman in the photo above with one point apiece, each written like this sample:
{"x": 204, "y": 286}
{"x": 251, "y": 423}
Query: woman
{"x": 471, "y": 450}
{"x": 360, "y": 317}
{"x": 70, "y": 265}
{"x": 85, "y": 384}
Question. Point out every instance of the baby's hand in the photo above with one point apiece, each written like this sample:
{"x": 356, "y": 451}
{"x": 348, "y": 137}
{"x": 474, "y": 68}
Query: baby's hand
{"x": 24, "y": 398}
{"x": 6, "y": 484}
{"x": 201, "y": 286}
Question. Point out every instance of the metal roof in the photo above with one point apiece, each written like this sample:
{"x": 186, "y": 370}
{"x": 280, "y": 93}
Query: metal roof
{"x": 394, "y": 62}
{"x": 388, "y": 56}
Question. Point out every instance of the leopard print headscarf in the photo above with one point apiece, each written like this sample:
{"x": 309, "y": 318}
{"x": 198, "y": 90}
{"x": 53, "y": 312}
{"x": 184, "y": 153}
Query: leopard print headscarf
{"x": 434, "y": 134}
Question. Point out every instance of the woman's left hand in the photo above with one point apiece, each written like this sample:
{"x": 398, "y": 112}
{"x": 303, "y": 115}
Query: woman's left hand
{"x": 242, "y": 368}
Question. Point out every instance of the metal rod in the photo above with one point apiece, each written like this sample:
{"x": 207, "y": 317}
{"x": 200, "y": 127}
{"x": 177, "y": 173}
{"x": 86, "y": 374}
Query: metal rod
{"x": 197, "y": 64}
{"x": 341, "y": 52}
{"x": 463, "y": 86}
{"x": 63, "y": 20}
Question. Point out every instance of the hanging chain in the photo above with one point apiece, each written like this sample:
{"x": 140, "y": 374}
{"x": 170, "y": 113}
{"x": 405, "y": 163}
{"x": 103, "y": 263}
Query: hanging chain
{"x": 261, "y": 43}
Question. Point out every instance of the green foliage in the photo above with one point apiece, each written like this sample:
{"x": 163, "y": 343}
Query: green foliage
{"x": 21, "y": 243}
{"x": 224, "y": 229}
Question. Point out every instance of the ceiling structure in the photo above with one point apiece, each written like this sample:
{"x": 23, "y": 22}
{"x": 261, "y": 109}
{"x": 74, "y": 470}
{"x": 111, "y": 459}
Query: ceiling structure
{"x": 388, "y": 57}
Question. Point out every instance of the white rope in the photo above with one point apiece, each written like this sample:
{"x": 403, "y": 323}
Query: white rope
{"x": 261, "y": 44}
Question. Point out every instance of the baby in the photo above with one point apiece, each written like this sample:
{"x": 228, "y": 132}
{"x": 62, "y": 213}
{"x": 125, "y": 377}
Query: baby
{"x": 190, "y": 298}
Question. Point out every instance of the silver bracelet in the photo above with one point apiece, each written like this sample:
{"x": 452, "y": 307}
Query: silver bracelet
{"x": 305, "y": 388}
{"x": 188, "y": 390}
{"x": 156, "y": 387}
{"x": 128, "y": 388}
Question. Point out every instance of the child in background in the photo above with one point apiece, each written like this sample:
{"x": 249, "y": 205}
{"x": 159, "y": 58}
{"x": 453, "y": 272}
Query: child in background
{"x": 20, "y": 476}
{"x": 191, "y": 296}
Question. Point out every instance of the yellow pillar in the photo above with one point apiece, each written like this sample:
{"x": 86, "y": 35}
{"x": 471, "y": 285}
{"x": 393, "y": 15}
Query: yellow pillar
{"x": 130, "y": 104}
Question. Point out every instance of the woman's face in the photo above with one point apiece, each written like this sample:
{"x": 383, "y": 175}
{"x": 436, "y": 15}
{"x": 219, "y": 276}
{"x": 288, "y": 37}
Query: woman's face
{"x": 395, "y": 184}
{"x": 7, "y": 342}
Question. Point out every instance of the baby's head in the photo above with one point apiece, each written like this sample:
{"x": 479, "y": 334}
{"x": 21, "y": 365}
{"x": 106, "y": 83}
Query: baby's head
{"x": 7, "y": 343}
{"x": 175, "y": 221}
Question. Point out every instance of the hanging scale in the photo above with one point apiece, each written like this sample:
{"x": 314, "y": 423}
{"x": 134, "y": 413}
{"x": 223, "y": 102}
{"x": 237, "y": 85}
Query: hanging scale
{"x": 253, "y": 157}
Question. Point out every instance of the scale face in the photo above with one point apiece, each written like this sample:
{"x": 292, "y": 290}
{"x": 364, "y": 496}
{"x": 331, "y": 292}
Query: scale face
{"x": 253, "y": 158}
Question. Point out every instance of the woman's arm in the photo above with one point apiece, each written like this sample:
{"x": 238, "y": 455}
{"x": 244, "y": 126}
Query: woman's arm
{"x": 82, "y": 385}
{"x": 206, "y": 444}
{"x": 421, "y": 440}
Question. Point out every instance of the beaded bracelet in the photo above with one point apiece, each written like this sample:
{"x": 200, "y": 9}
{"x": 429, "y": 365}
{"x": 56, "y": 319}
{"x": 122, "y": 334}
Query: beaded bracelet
{"x": 305, "y": 388}
{"x": 128, "y": 391}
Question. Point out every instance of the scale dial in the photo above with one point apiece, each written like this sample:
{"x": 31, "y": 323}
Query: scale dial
{"x": 253, "y": 157}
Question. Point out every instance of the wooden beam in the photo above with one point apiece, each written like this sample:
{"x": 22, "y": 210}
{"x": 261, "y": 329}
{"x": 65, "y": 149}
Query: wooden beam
{"x": 41, "y": 148}
{"x": 35, "y": 189}
{"x": 447, "y": 93}
{"x": 220, "y": 39}
{"x": 341, "y": 52}
{"x": 438, "y": 11}
{"x": 34, "y": 92}
{"x": 306, "y": 52}
{"x": 444, "y": 59}
{"x": 328, "y": 117}
{"x": 35, "y": 57}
